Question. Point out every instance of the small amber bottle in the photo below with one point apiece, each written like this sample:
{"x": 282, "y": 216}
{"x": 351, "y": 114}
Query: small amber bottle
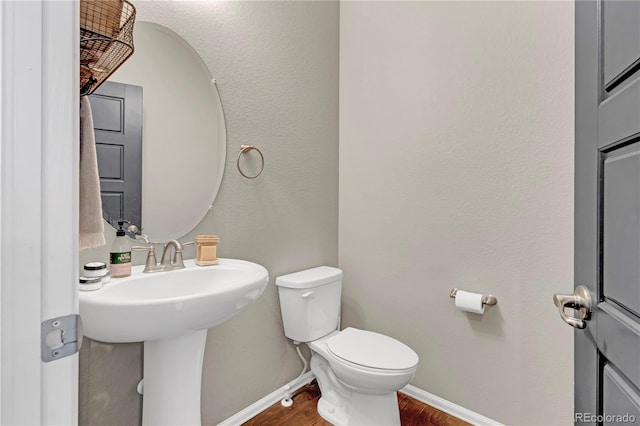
{"x": 207, "y": 246}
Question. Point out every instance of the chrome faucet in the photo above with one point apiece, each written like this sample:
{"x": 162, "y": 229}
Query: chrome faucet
{"x": 177, "y": 262}
{"x": 167, "y": 262}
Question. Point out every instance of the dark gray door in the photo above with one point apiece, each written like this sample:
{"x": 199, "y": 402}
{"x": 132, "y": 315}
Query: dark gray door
{"x": 607, "y": 213}
{"x": 117, "y": 120}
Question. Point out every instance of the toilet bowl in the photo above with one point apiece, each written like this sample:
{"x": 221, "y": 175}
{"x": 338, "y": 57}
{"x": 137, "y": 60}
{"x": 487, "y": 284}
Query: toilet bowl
{"x": 358, "y": 376}
{"x": 358, "y": 371}
{"x": 371, "y": 362}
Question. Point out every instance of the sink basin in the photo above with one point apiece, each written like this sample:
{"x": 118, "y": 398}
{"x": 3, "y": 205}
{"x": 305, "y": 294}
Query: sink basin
{"x": 170, "y": 312}
{"x": 163, "y": 305}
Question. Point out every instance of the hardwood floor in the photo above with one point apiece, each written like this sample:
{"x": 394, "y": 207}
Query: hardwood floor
{"x": 304, "y": 413}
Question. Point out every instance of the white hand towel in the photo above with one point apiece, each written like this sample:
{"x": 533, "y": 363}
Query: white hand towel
{"x": 91, "y": 225}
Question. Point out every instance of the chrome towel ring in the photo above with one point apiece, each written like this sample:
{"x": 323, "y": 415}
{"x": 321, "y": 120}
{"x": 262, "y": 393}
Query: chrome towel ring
{"x": 244, "y": 149}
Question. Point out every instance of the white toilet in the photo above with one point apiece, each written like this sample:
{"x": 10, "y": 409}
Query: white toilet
{"x": 358, "y": 371}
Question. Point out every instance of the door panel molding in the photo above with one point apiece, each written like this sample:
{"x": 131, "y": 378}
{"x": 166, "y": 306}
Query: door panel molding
{"x": 617, "y": 329}
{"x": 623, "y": 109}
{"x": 619, "y": 397}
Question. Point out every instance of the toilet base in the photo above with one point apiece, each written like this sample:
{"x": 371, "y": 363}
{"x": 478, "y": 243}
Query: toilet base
{"x": 362, "y": 410}
{"x": 342, "y": 405}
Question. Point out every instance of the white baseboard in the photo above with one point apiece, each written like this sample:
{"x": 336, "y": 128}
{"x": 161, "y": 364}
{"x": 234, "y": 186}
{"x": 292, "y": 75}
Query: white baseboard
{"x": 414, "y": 392}
{"x": 448, "y": 407}
{"x": 266, "y": 402}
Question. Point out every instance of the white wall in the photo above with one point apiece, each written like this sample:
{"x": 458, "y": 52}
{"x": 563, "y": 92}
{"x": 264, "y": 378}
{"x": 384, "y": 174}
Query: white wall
{"x": 456, "y": 170}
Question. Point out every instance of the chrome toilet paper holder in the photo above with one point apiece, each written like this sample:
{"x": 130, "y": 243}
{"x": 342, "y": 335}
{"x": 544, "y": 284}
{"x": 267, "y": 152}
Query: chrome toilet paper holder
{"x": 487, "y": 299}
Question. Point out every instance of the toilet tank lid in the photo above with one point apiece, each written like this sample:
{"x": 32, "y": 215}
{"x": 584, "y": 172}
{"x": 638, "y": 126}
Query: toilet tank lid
{"x": 310, "y": 277}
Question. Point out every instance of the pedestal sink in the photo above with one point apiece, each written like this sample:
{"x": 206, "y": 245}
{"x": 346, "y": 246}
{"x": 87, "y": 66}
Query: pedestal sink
{"x": 170, "y": 312}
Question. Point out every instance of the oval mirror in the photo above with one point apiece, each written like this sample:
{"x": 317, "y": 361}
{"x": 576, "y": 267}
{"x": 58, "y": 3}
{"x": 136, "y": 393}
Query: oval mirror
{"x": 183, "y": 131}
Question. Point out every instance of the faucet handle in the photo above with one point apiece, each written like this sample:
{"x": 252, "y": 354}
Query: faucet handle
{"x": 151, "y": 264}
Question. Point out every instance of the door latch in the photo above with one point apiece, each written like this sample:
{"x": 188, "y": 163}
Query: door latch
{"x": 580, "y": 301}
{"x": 60, "y": 337}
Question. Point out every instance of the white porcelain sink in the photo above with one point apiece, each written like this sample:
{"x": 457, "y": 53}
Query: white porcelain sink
{"x": 171, "y": 312}
{"x": 162, "y": 305}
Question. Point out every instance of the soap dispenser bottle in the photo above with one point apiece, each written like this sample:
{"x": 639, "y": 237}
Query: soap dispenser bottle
{"x": 120, "y": 256}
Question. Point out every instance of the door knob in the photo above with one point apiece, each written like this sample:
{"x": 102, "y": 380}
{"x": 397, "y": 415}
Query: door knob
{"x": 580, "y": 301}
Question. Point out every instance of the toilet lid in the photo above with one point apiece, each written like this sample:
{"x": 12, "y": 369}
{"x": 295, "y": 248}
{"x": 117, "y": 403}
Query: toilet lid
{"x": 372, "y": 350}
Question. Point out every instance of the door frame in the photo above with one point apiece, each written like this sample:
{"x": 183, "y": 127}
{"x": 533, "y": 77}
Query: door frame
{"x": 39, "y": 155}
{"x": 586, "y": 228}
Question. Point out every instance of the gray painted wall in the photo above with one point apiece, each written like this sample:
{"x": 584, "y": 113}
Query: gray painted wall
{"x": 456, "y": 170}
{"x": 276, "y": 64}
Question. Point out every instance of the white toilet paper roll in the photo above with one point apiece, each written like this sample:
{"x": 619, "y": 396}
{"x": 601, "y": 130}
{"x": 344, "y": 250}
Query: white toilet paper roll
{"x": 469, "y": 302}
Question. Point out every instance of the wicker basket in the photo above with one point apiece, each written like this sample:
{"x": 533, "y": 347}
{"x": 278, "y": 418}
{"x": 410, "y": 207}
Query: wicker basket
{"x": 106, "y": 40}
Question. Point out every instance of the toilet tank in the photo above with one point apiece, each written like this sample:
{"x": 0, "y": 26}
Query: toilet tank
{"x": 310, "y": 302}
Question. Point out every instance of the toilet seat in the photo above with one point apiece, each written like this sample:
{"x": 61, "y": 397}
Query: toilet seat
{"x": 371, "y": 350}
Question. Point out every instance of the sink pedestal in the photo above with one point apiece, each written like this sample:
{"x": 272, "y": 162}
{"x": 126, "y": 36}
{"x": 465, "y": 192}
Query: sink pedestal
{"x": 172, "y": 380}
{"x": 171, "y": 312}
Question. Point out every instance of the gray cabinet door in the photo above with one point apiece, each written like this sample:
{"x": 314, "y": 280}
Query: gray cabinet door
{"x": 117, "y": 121}
{"x": 607, "y": 210}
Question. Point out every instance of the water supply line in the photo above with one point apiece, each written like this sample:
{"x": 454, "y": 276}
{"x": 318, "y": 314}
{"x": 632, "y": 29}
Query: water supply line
{"x": 287, "y": 400}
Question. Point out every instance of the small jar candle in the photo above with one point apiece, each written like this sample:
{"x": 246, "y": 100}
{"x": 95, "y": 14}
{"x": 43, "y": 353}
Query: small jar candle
{"x": 90, "y": 283}
{"x": 95, "y": 269}
{"x": 207, "y": 246}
